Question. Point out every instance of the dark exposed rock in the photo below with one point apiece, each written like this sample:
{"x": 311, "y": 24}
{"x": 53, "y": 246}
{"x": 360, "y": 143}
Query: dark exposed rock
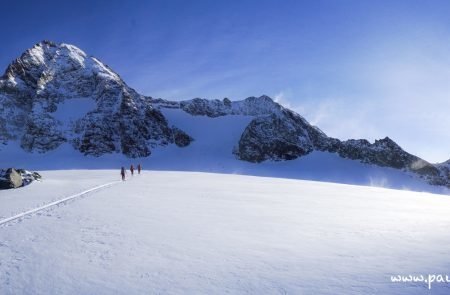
{"x": 28, "y": 176}
{"x": 386, "y": 153}
{"x": 10, "y": 178}
{"x": 180, "y": 138}
{"x": 251, "y": 106}
{"x": 226, "y": 102}
{"x": 204, "y": 107}
{"x": 41, "y": 135}
{"x": 97, "y": 136}
{"x": 14, "y": 178}
{"x": 274, "y": 138}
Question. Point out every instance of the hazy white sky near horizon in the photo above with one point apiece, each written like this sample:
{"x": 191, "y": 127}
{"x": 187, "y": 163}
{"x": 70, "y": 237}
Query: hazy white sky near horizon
{"x": 356, "y": 69}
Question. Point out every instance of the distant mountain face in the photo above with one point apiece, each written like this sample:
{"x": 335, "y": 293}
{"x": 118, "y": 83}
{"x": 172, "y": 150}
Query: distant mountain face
{"x": 40, "y": 91}
{"x": 55, "y": 93}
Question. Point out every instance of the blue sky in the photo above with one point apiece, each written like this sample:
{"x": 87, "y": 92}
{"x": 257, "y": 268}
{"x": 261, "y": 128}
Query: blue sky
{"x": 357, "y": 69}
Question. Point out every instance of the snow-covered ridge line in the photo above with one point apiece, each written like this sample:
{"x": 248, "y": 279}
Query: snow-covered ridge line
{"x": 55, "y": 203}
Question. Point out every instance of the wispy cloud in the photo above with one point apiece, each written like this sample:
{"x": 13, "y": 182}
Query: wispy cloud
{"x": 397, "y": 87}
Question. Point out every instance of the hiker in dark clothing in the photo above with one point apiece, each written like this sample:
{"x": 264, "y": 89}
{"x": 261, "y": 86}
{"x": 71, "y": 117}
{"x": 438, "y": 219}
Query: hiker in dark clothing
{"x": 139, "y": 168}
{"x": 132, "y": 170}
{"x": 122, "y": 172}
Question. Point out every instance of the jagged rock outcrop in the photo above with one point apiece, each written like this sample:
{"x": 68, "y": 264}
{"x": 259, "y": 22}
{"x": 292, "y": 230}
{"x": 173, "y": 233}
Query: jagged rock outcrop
{"x": 15, "y": 178}
{"x": 181, "y": 138}
{"x": 48, "y": 77}
{"x": 386, "y": 153}
{"x": 279, "y": 136}
{"x": 10, "y": 178}
{"x": 444, "y": 169}
{"x": 272, "y": 138}
{"x": 251, "y": 106}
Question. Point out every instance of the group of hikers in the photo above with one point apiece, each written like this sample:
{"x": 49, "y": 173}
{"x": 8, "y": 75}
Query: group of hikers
{"x": 123, "y": 171}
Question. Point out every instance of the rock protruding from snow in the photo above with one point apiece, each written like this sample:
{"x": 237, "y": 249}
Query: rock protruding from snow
{"x": 14, "y": 178}
{"x": 181, "y": 138}
{"x": 288, "y": 136}
{"x": 386, "y": 153}
{"x": 10, "y": 178}
{"x": 279, "y": 136}
{"x": 444, "y": 169}
{"x": 50, "y": 77}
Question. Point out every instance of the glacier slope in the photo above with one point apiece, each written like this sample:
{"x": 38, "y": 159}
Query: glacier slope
{"x": 202, "y": 233}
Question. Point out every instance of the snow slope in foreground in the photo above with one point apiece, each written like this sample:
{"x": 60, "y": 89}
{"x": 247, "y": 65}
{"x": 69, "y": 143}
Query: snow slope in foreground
{"x": 201, "y": 233}
{"x": 211, "y": 151}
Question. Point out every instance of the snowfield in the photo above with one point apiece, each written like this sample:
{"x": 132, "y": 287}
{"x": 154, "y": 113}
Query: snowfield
{"x": 203, "y": 233}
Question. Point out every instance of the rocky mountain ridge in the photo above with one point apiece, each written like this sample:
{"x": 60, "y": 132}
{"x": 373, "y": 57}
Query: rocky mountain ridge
{"x": 50, "y": 78}
{"x": 277, "y": 133}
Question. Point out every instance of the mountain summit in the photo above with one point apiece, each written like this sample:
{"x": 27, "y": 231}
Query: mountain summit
{"x": 56, "y": 94}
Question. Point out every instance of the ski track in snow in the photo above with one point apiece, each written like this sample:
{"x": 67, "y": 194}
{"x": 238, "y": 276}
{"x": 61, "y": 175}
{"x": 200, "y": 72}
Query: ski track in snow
{"x": 202, "y": 233}
{"x": 55, "y": 203}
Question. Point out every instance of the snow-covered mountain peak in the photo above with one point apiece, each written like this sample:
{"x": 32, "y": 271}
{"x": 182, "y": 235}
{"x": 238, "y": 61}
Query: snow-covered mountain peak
{"x": 386, "y": 143}
{"x": 55, "y": 64}
{"x": 56, "y": 93}
{"x": 261, "y": 100}
{"x": 263, "y": 105}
